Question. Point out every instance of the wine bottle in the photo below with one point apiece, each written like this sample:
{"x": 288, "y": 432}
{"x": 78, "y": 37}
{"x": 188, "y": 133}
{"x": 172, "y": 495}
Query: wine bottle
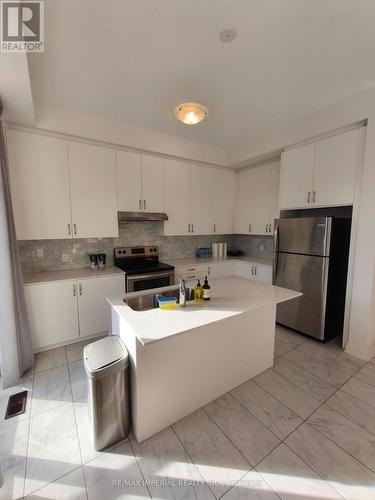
{"x": 206, "y": 289}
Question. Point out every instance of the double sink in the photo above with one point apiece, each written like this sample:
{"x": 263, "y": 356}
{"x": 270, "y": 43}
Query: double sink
{"x": 150, "y": 300}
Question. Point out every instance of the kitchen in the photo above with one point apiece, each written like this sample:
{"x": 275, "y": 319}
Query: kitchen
{"x": 109, "y": 204}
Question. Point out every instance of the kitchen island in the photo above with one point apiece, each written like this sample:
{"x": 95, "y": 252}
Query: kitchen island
{"x": 184, "y": 358}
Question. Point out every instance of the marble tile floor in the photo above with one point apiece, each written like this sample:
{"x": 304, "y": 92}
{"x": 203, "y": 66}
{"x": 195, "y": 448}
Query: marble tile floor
{"x": 304, "y": 429}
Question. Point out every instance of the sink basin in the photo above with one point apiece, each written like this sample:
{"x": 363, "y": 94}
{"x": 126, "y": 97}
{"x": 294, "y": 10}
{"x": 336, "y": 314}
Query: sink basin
{"x": 150, "y": 301}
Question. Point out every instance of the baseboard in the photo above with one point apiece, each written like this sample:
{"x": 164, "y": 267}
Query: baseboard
{"x": 364, "y": 354}
{"x": 74, "y": 340}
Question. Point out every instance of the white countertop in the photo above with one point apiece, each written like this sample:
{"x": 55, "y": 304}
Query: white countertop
{"x": 195, "y": 261}
{"x": 229, "y": 297}
{"x": 70, "y": 274}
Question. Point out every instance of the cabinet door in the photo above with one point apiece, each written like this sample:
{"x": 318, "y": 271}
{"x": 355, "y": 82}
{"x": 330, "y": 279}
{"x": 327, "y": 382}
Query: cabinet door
{"x": 177, "y": 197}
{"x": 296, "y": 174}
{"x": 39, "y": 178}
{"x": 93, "y": 190}
{"x": 223, "y": 201}
{"x": 201, "y": 202}
{"x": 242, "y": 269}
{"x": 220, "y": 269}
{"x": 153, "y": 183}
{"x": 274, "y": 196}
{"x": 335, "y": 169}
{"x": 52, "y": 311}
{"x": 94, "y": 310}
{"x": 260, "y": 202}
{"x": 261, "y": 273}
{"x": 244, "y": 193}
{"x": 129, "y": 183}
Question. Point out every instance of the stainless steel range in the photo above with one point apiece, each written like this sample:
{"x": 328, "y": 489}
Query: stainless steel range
{"x": 143, "y": 270}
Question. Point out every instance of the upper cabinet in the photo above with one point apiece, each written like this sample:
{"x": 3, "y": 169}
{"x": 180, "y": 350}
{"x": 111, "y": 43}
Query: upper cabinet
{"x": 257, "y": 199}
{"x": 201, "y": 201}
{"x": 140, "y": 182}
{"x": 320, "y": 174}
{"x": 177, "y": 197}
{"x": 39, "y": 178}
{"x": 296, "y": 174}
{"x": 223, "y": 201}
{"x": 93, "y": 191}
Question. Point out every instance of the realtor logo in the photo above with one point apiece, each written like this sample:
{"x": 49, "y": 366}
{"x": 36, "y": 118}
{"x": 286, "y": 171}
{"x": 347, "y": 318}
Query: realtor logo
{"x": 22, "y": 26}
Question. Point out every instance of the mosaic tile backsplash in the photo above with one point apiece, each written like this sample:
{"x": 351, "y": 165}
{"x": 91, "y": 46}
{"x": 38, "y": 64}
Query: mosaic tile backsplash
{"x": 55, "y": 255}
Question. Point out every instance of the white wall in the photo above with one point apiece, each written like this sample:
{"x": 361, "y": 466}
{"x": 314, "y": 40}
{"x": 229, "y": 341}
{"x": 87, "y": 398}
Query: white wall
{"x": 361, "y": 337}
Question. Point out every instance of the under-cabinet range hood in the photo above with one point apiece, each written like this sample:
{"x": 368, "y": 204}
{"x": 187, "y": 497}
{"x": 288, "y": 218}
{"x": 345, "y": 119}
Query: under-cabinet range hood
{"x": 141, "y": 216}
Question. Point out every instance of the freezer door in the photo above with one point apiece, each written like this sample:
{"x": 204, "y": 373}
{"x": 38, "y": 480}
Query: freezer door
{"x": 309, "y": 236}
{"x": 309, "y": 275}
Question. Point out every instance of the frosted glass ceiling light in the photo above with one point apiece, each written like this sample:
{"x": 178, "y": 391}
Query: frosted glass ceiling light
{"x": 190, "y": 113}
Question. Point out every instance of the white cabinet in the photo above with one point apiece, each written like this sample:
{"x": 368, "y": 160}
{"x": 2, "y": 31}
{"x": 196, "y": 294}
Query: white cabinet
{"x": 335, "y": 169}
{"x": 260, "y": 273}
{"x": 320, "y": 174}
{"x": 93, "y": 191}
{"x": 220, "y": 269}
{"x": 62, "y": 311}
{"x": 201, "y": 204}
{"x": 244, "y": 190}
{"x": 191, "y": 273}
{"x": 39, "y": 179}
{"x": 177, "y": 197}
{"x": 53, "y": 313}
{"x": 223, "y": 201}
{"x": 140, "y": 182}
{"x": 129, "y": 181}
{"x": 94, "y": 310}
{"x": 257, "y": 199}
{"x": 296, "y": 173}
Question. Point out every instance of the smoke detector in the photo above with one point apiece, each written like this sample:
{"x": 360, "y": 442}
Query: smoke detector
{"x": 228, "y": 35}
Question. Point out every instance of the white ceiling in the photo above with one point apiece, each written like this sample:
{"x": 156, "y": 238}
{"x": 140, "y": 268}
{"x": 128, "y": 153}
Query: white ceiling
{"x": 135, "y": 60}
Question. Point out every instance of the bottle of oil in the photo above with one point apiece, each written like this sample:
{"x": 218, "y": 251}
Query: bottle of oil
{"x": 206, "y": 289}
{"x": 198, "y": 293}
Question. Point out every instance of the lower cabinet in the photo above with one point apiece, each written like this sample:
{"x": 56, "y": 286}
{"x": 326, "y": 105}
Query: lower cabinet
{"x": 62, "y": 311}
{"x": 257, "y": 272}
{"x": 220, "y": 269}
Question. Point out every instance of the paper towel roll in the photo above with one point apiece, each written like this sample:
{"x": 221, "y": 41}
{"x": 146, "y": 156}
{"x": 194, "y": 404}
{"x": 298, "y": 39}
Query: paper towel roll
{"x": 215, "y": 249}
{"x": 225, "y": 246}
{"x": 221, "y": 249}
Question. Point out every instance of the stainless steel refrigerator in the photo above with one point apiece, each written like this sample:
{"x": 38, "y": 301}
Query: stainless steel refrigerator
{"x": 311, "y": 256}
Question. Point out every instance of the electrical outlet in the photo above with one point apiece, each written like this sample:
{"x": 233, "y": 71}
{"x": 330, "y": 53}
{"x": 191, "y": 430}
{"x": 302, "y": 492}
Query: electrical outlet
{"x": 65, "y": 257}
{"x": 39, "y": 252}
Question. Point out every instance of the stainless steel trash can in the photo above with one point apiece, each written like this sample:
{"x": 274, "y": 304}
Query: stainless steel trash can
{"x": 106, "y": 363}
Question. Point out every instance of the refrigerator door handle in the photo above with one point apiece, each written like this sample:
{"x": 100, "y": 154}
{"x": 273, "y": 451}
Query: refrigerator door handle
{"x": 275, "y": 252}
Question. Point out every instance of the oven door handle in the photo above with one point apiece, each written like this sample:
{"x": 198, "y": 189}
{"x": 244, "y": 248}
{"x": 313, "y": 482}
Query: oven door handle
{"x": 148, "y": 276}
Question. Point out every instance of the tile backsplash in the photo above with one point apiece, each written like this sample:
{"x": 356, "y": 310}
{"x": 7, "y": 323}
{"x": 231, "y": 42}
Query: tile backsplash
{"x": 54, "y": 255}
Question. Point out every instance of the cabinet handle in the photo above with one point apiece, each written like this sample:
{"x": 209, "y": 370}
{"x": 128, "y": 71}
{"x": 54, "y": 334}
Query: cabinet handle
{"x": 192, "y": 269}
{"x": 69, "y": 229}
{"x": 209, "y": 270}
{"x": 252, "y": 270}
{"x": 140, "y": 204}
{"x": 188, "y": 228}
{"x": 75, "y": 228}
{"x": 190, "y": 277}
{"x": 314, "y": 196}
{"x": 80, "y": 289}
{"x": 192, "y": 228}
{"x": 214, "y": 228}
{"x": 74, "y": 290}
{"x": 308, "y": 196}
{"x": 249, "y": 228}
{"x": 144, "y": 204}
{"x": 255, "y": 270}
{"x": 266, "y": 228}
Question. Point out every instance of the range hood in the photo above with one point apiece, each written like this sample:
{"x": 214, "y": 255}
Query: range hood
{"x": 141, "y": 216}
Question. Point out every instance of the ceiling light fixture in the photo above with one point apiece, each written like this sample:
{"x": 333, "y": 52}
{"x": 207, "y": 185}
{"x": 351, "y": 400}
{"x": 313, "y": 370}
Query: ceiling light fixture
{"x": 190, "y": 113}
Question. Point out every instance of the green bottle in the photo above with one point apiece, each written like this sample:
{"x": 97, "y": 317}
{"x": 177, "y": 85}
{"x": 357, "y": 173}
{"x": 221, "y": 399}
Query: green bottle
{"x": 198, "y": 293}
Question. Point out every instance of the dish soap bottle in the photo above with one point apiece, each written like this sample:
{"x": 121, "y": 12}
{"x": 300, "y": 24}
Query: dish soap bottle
{"x": 206, "y": 289}
{"x": 198, "y": 293}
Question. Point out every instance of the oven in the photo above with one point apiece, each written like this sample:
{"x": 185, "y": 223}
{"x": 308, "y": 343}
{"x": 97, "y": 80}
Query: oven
{"x": 139, "y": 282}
